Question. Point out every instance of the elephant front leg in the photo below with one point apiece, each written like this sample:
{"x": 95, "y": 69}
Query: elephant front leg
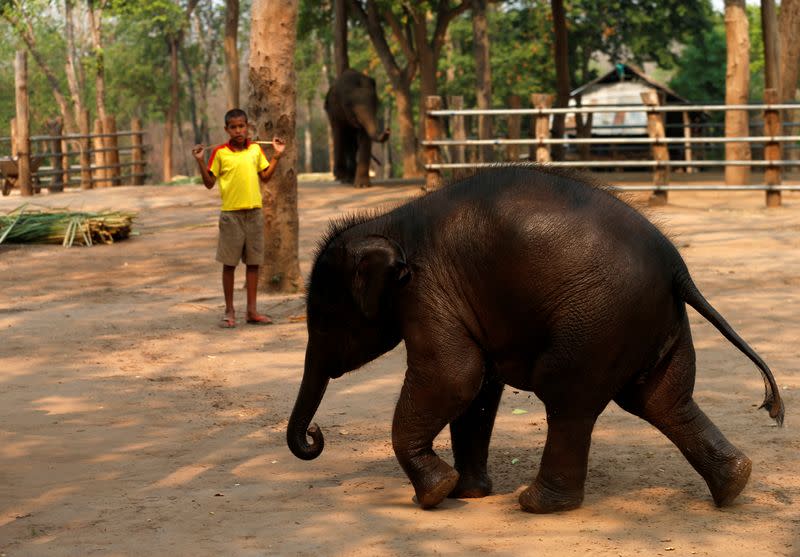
{"x": 470, "y": 434}
{"x": 363, "y": 159}
{"x": 432, "y": 396}
{"x": 559, "y": 486}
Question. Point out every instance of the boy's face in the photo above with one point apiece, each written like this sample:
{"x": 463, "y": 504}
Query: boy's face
{"x": 237, "y": 130}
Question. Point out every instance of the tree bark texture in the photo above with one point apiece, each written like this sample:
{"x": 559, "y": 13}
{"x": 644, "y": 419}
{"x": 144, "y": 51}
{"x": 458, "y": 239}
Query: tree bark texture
{"x": 172, "y": 110}
{"x": 562, "y": 73}
{"x": 22, "y": 141}
{"x": 737, "y": 86}
{"x": 272, "y": 109}
{"x": 769, "y": 34}
{"x": 96, "y": 27}
{"x": 788, "y": 26}
{"x": 341, "y": 59}
{"x": 789, "y": 31}
{"x": 483, "y": 73}
{"x": 231, "y": 49}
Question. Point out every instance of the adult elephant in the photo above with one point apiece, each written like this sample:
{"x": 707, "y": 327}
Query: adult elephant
{"x": 351, "y": 105}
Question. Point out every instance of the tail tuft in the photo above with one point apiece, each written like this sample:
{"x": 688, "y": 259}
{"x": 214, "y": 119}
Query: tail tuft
{"x": 774, "y": 407}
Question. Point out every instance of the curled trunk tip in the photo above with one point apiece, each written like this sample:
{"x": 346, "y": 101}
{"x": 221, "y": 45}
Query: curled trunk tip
{"x": 305, "y": 450}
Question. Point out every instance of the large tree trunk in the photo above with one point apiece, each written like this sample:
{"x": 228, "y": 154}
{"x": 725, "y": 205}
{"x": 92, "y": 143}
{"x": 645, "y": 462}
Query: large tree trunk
{"x": 231, "y": 49}
{"x": 271, "y": 105}
{"x": 483, "y": 73}
{"x": 341, "y": 60}
{"x": 562, "y": 74}
{"x": 737, "y": 87}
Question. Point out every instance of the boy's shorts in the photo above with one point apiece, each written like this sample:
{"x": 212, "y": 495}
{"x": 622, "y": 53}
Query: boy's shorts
{"x": 241, "y": 237}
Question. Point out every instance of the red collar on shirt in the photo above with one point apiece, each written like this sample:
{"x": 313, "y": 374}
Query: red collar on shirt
{"x": 247, "y": 144}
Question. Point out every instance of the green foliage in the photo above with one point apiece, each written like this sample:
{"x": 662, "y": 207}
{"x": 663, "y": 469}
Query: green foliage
{"x": 701, "y": 65}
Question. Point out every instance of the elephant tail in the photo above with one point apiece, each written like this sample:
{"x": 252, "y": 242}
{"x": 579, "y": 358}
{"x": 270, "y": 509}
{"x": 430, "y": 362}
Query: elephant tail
{"x": 692, "y": 296}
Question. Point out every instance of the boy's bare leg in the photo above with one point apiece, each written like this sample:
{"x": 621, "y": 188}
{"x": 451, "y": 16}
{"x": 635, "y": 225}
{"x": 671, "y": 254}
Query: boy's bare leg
{"x": 252, "y": 289}
{"x": 227, "y": 289}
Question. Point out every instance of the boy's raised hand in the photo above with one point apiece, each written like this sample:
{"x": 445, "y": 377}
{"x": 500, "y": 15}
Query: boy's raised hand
{"x": 278, "y": 145}
{"x": 197, "y": 151}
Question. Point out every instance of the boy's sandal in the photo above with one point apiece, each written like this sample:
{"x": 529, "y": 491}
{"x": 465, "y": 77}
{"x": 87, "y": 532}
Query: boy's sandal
{"x": 227, "y": 322}
{"x": 260, "y": 320}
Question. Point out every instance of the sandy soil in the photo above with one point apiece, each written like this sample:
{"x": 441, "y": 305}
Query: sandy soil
{"x": 130, "y": 424}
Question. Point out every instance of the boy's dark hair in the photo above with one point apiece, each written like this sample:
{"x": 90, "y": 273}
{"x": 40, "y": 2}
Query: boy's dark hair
{"x": 235, "y": 113}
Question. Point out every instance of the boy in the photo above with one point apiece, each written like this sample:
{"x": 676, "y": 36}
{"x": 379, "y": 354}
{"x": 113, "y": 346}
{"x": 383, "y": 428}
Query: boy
{"x": 238, "y": 165}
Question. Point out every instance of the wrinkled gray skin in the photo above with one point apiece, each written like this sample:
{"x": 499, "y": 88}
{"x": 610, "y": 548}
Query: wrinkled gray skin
{"x": 523, "y": 277}
{"x": 351, "y": 104}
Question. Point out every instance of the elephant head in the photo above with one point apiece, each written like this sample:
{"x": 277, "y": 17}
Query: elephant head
{"x": 352, "y": 318}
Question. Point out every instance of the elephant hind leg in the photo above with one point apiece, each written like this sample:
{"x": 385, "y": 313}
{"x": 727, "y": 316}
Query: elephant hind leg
{"x": 470, "y": 434}
{"x": 665, "y": 400}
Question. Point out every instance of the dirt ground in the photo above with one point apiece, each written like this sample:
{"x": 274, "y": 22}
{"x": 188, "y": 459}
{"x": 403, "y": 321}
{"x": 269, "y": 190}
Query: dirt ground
{"x": 130, "y": 424}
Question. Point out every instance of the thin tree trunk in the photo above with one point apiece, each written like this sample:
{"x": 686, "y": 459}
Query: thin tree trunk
{"x": 26, "y": 33}
{"x": 737, "y": 86}
{"x": 73, "y": 69}
{"x": 483, "y": 73}
{"x": 788, "y": 25}
{"x": 788, "y": 28}
{"x": 307, "y": 143}
{"x": 231, "y": 49}
{"x": 271, "y": 106}
{"x": 562, "y": 73}
{"x": 96, "y": 27}
{"x": 341, "y": 60}
{"x": 172, "y": 111}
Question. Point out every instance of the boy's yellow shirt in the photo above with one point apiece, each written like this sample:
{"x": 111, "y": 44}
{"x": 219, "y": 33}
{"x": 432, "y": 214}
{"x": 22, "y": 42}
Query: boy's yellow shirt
{"x": 237, "y": 175}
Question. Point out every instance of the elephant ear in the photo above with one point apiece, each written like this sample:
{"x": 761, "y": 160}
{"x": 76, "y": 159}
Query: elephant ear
{"x": 380, "y": 271}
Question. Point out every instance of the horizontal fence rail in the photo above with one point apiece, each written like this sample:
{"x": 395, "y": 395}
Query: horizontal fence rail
{"x": 683, "y": 148}
{"x": 58, "y": 160}
{"x": 595, "y": 109}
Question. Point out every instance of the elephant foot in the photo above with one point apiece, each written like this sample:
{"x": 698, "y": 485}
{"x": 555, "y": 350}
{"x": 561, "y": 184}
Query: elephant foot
{"x": 728, "y": 480}
{"x": 362, "y": 184}
{"x": 472, "y": 487}
{"x": 542, "y": 500}
{"x": 436, "y": 485}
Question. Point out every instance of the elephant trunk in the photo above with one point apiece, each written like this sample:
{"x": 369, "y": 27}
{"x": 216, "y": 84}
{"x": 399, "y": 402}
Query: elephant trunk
{"x": 311, "y": 392}
{"x": 367, "y": 121}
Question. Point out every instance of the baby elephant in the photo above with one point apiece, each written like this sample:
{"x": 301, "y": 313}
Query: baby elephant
{"x": 519, "y": 276}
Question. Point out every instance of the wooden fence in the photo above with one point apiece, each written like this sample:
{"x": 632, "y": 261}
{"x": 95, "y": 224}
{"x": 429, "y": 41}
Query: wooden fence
{"x": 443, "y": 153}
{"x": 57, "y": 160}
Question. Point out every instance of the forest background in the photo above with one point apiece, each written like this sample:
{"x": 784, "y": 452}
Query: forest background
{"x": 139, "y": 47}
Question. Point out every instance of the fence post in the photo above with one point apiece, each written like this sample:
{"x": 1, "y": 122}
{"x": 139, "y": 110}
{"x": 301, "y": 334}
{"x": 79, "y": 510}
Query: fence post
{"x": 112, "y": 154}
{"x": 98, "y": 144}
{"x": 64, "y": 146}
{"x": 541, "y": 126}
{"x": 55, "y": 129}
{"x": 655, "y": 129}
{"x": 12, "y": 127}
{"x": 23, "y": 130}
{"x": 457, "y": 153}
{"x": 772, "y": 149}
{"x": 514, "y": 125}
{"x": 687, "y": 147}
{"x": 85, "y": 149}
{"x": 137, "y": 153}
{"x": 433, "y": 132}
